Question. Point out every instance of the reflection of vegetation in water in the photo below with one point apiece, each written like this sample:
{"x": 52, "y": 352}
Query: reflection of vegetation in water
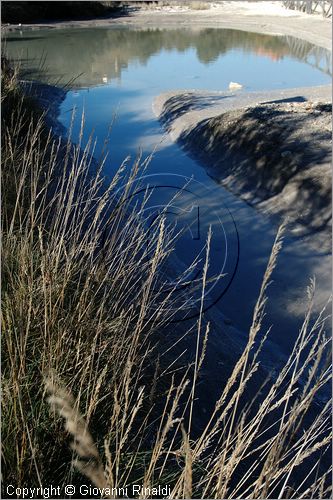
{"x": 100, "y": 54}
{"x": 315, "y": 56}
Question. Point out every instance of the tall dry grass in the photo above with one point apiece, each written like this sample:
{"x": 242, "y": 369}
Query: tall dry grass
{"x": 80, "y": 284}
{"x": 83, "y": 316}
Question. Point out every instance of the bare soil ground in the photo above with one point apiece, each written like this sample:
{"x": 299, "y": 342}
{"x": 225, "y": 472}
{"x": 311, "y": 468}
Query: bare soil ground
{"x": 274, "y": 153}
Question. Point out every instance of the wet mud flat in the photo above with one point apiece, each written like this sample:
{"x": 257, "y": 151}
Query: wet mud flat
{"x": 274, "y": 151}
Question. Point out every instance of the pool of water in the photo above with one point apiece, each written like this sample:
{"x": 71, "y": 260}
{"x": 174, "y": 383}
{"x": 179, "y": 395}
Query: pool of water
{"x": 121, "y": 70}
{"x": 115, "y": 74}
{"x": 162, "y": 59}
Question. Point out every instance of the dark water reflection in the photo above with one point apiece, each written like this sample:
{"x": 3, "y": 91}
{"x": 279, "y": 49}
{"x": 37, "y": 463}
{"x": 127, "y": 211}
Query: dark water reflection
{"x": 96, "y": 56}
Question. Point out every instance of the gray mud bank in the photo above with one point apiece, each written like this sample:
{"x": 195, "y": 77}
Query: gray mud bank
{"x": 273, "y": 149}
{"x": 313, "y": 29}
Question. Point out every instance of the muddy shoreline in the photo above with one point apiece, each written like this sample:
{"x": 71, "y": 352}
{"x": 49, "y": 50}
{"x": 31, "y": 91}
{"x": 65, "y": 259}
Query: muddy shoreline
{"x": 273, "y": 149}
{"x": 312, "y": 28}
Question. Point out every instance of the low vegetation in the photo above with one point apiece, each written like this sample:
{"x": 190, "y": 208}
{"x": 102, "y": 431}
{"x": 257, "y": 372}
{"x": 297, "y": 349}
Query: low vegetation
{"x": 90, "y": 386}
{"x": 28, "y": 12}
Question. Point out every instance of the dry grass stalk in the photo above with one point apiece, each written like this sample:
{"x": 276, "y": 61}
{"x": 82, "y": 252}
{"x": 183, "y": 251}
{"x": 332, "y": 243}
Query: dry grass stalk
{"x": 82, "y": 299}
{"x": 89, "y": 463}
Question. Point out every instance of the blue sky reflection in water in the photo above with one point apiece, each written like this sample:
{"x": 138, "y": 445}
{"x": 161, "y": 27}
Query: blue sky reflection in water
{"x": 122, "y": 70}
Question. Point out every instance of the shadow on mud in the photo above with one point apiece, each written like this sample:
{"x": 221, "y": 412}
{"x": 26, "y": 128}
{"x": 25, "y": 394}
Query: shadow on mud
{"x": 275, "y": 155}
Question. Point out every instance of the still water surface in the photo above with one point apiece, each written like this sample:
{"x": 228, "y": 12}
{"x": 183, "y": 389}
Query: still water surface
{"x": 119, "y": 71}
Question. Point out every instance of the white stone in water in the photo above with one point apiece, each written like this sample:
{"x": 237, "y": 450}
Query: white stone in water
{"x": 235, "y": 85}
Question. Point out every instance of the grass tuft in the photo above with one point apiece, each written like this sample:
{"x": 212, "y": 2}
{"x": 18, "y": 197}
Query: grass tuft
{"x": 85, "y": 321}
